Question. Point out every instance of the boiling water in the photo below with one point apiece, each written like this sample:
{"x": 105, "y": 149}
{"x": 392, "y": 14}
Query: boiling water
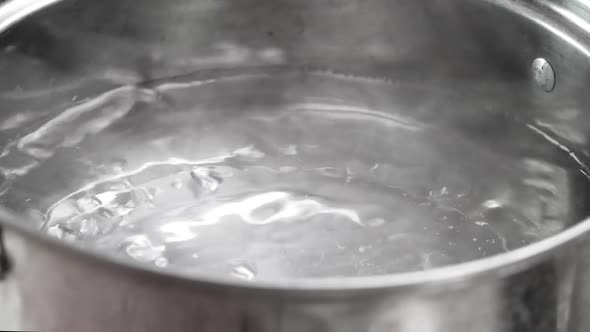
{"x": 289, "y": 176}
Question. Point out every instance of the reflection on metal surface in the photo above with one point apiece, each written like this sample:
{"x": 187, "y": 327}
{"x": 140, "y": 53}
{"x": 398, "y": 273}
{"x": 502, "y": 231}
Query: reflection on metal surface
{"x": 4, "y": 260}
{"x": 14, "y": 11}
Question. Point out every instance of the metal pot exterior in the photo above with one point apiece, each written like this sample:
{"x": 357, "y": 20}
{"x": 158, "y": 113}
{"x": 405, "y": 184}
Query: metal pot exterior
{"x": 114, "y": 42}
{"x": 62, "y": 291}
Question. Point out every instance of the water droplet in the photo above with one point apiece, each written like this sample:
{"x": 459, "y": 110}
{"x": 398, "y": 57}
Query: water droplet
{"x": 243, "y": 270}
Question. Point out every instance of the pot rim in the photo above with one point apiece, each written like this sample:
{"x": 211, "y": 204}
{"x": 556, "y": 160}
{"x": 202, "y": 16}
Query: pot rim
{"x": 496, "y": 266}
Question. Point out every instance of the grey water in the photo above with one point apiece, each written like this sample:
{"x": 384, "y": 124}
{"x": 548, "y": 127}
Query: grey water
{"x": 272, "y": 175}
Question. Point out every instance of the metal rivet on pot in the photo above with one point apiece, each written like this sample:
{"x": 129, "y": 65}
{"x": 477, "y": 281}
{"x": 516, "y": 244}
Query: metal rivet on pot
{"x": 543, "y": 74}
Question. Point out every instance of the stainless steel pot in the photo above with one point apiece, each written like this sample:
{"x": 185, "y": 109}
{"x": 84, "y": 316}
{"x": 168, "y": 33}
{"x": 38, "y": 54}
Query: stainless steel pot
{"x": 528, "y": 58}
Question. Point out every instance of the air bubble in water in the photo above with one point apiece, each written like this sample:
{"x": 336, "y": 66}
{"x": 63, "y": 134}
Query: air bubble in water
{"x": 142, "y": 249}
{"x": 161, "y": 262}
{"x": 243, "y": 270}
{"x": 118, "y": 203}
{"x": 89, "y": 227}
{"x": 55, "y": 231}
{"x": 206, "y": 178}
{"x": 88, "y": 204}
{"x": 61, "y": 232}
{"x": 63, "y": 211}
